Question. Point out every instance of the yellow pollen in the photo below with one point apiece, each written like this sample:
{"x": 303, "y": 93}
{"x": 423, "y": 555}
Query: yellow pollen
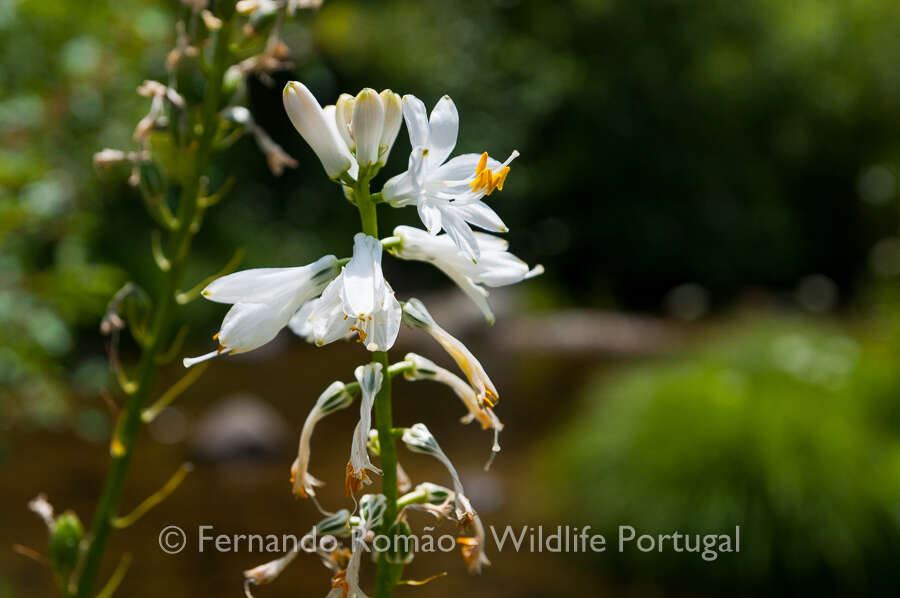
{"x": 486, "y": 179}
{"x": 361, "y": 332}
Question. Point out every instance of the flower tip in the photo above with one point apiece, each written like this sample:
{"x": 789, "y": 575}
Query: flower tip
{"x": 372, "y": 346}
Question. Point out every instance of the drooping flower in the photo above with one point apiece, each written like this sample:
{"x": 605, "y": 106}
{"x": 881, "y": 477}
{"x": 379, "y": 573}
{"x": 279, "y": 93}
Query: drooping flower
{"x": 345, "y": 584}
{"x": 358, "y": 300}
{"x": 425, "y": 369}
{"x": 416, "y": 315}
{"x": 472, "y": 547}
{"x": 317, "y": 126}
{"x": 496, "y": 267}
{"x": 263, "y": 301}
{"x": 419, "y": 439}
{"x": 370, "y": 377}
{"x": 447, "y": 193}
{"x": 267, "y": 572}
{"x": 333, "y": 399}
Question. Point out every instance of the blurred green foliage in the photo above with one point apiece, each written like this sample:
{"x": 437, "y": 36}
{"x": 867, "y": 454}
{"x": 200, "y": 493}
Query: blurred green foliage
{"x": 786, "y": 428}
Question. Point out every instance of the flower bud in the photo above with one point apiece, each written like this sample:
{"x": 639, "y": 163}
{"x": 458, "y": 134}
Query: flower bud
{"x": 312, "y": 123}
{"x": 371, "y": 509}
{"x": 343, "y": 113}
{"x": 337, "y": 524}
{"x": 65, "y": 544}
{"x": 366, "y": 126}
{"x": 393, "y": 118}
{"x": 400, "y": 551}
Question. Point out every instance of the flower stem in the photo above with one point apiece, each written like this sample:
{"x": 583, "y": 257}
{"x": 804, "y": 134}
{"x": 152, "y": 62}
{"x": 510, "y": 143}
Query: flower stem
{"x": 387, "y": 574}
{"x": 180, "y": 243}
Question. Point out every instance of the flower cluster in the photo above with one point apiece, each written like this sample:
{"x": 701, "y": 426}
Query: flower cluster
{"x": 332, "y": 299}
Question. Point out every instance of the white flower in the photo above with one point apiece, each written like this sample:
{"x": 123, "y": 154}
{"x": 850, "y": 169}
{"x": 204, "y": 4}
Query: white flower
{"x": 446, "y": 193}
{"x": 264, "y": 299}
{"x": 368, "y": 124}
{"x": 495, "y": 268}
{"x": 425, "y": 369}
{"x": 415, "y": 315}
{"x": 333, "y": 399}
{"x": 318, "y": 127}
{"x": 359, "y": 300}
{"x": 370, "y": 377}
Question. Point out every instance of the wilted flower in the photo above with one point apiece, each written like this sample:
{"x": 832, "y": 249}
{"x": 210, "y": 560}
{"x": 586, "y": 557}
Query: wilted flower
{"x": 333, "y": 399}
{"x": 447, "y": 194}
{"x": 473, "y": 547}
{"x": 415, "y": 315}
{"x": 425, "y": 369}
{"x": 264, "y": 299}
{"x": 495, "y": 268}
{"x": 267, "y": 572}
{"x": 359, "y": 300}
{"x": 370, "y": 377}
{"x": 420, "y": 440}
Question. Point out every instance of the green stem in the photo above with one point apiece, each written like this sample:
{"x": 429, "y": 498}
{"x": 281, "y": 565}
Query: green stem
{"x": 180, "y": 244}
{"x": 387, "y": 574}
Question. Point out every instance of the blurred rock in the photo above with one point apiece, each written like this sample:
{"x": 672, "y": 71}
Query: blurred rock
{"x": 240, "y": 427}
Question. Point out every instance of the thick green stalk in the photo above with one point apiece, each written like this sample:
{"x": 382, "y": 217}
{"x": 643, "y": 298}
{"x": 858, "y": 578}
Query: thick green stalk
{"x": 129, "y": 428}
{"x": 387, "y": 574}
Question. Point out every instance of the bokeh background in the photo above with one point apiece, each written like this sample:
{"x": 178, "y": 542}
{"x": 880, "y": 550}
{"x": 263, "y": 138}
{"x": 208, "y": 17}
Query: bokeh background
{"x": 711, "y": 186}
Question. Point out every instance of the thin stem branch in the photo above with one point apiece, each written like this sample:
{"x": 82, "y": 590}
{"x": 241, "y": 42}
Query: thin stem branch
{"x": 180, "y": 243}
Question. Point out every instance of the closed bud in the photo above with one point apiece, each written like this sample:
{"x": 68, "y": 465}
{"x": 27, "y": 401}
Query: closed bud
{"x": 337, "y": 524}
{"x": 312, "y": 122}
{"x": 366, "y": 126}
{"x": 65, "y": 544}
{"x": 401, "y": 550}
{"x": 343, "y": 114}
{"x": 393, "y": 118}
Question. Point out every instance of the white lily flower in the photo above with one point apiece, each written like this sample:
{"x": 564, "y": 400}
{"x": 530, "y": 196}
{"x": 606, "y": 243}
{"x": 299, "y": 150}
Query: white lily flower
{"x": 416, "y": 315}
{"x": 447, "y": 193}
{"x": 425, "y": 369}
{"x": 333, "y": 399}
{"x": 370, "y": 377}
{"x": 393, "y": 118}
{"x": 359, "y": 300}
{"x": 419, "y": 439}
{"x": 263, "y": 301}
{"x": 495, "y": 268}
{"x": 317, "y": 126}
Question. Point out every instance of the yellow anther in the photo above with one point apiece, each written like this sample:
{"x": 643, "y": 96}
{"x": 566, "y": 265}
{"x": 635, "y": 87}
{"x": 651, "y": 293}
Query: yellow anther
{"x": 485, "y": 179}
{"x": 361, "y": 332}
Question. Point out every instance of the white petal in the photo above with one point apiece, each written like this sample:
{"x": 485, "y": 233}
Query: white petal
{"x": 458, "y": 168}
{"x": 430, "y": 216}
{"x": 416, "y": 118}
{"x": 300, "y": 322}
{"x": 264, "y": 285}
{"x": 481, "y": 215}
{"x": 460, "y": 232}
{"x": 399, "y": 190}
{"x": 444, "y": 126}
{"x": 326, "y": 319}
{"x": 385, "y": 324}
{"x": 362, "y": 276}
{"x": 248, "y": 326}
